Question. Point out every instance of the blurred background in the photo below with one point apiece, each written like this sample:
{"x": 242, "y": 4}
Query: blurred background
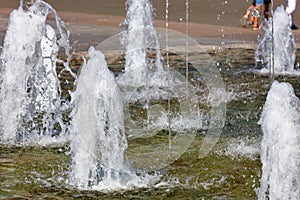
{"x": 216, "y": 12}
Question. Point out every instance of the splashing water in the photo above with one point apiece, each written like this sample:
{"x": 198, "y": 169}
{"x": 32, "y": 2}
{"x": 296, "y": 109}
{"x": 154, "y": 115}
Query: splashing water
{"x": 276, "y": 50}
{"x": 99, "y": 140}
{"x": 30, "y": 90}
{"x": 280, "y": 145}
{"x": 138, "y": 38}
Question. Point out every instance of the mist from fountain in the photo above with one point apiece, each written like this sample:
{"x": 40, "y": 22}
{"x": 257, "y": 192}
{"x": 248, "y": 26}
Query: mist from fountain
{"x": 276, "y": 50}
{"x": 30, "y": 90}
{"x": 280, "y": 146}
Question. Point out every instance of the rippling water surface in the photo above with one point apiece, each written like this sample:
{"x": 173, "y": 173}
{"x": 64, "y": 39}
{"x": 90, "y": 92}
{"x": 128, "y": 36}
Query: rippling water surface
{"x": 231, "y": 171}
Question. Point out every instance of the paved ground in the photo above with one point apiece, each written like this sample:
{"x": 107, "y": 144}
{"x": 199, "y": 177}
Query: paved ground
{"x": 90, "y": 28}
{"x": 216, "y": 12}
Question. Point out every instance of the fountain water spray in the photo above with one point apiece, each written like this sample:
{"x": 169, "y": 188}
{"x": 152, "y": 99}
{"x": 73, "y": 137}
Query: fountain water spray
{"x": 169, "y": 105}
{"x": 138, "y": 37}
{"x": 280, "y": 119}
{"x": 280, "y": 147}
{"x": 99, "y": 140}
{"x": 277, "y": 47}
{"x": 30, "y": 89}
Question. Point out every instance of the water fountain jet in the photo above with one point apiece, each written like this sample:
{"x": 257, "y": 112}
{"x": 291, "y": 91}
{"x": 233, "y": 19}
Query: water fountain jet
{"x": 30, "y": 90}
{"x": 276, "y": 49}
{"x": 138, "y": 36}
{"x": 280, "y": 120}
{"x": 280, "y": 146}
{"x": 98, "y": 135}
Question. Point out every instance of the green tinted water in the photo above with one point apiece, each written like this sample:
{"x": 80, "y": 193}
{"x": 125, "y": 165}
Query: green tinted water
{"x": 230, "y": 171}
{"x": 41, "y": 173}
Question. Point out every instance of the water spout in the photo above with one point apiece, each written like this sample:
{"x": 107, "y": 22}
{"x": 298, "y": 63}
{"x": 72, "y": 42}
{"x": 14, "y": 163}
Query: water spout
{"x": 140, "y": 38}
{"x": 280, "y": 146}
{"x": 276, "y": 49}
{"x": 21, "y": 3}
{"x": 30, "y": 90}
{"x": 97, "y": 126}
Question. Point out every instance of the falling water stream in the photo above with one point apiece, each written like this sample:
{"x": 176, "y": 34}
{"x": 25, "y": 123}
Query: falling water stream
{"x": 187, "y": 35}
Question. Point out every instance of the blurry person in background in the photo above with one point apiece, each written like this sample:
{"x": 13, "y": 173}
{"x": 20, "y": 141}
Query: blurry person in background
{"x": 252, "y": 15}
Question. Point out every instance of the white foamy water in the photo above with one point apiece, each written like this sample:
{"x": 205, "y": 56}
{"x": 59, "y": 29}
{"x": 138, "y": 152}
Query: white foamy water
{"x": 277, "y": 47}
{"x": 280, "y": 146}
{"x": 19, "y": 51}
{"x": 243, "y": 147}
{"x": 30, "y": 89}
{"x": 99, "y": 140}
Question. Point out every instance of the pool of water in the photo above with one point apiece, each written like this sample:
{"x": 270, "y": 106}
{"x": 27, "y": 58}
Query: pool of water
{"x": 41, "y": 173}
{"x": 230, "y": 171}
